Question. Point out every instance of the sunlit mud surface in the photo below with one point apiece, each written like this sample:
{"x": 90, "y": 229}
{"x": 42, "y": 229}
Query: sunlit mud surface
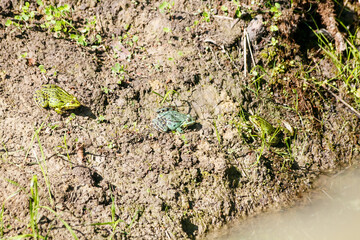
{"x": 331, "y": 213}
{"x": 105, "y": 171}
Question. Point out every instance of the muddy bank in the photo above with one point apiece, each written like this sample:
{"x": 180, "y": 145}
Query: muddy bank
{"x": 104, "y": 163}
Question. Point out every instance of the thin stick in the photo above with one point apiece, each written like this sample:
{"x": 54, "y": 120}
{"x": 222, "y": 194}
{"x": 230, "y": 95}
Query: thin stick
{"x": 215, "y": 57}
{"x": 234, "y": 23}
{"x": 252, "y": 56}
{"x": 209, "y": 40}
{"x": 223, "y": 17}
{"x": 44, "y": 77}
{"x": 245, "y": 53}
{"x": 343, "y": 102}
{"x": 227, "y": 54}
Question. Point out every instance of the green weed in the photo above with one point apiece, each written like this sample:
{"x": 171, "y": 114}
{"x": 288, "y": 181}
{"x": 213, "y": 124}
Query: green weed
{"x": 166, "y": 96}
{"x": 238, "y": 8}
{"x": 43, "y": 167}
{"x": 101, "y": 119}
{"x": 217, "y": 133}
{"x": 6, "y": 154}
{"x": 166, "y": 7}
{"x": 65, "y": 147}
{"x": 71, "y": 117}
{"x": 347, "y": 65}
{"x": 57, "y": 19}
{"x": 42, "y": 69}
{"x": 119, "y": 70}
{"x": 115, "y": 222}
{"x": 23, "y": 55}
{"x": 3, "y": 210}
{"x": 25, "y": 17}
{"x": 34, "y": 207}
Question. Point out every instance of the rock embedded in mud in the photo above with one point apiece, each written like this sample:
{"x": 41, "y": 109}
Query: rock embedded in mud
{"x": 256, "y": 28}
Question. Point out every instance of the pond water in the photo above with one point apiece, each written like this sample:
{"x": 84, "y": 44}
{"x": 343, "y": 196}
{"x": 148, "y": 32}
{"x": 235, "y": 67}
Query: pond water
{"x": 332, "y": 212}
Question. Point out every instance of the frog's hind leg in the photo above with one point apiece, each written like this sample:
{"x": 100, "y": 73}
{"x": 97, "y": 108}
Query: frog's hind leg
{"x": 159, "y": 124}
{"x": 40, "y": 99}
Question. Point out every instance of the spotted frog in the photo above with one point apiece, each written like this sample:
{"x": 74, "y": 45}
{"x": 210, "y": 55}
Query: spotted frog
{"x": 55, "y": 97}
{"x": 272, "y": 135}
{"x": 170, "y": 120}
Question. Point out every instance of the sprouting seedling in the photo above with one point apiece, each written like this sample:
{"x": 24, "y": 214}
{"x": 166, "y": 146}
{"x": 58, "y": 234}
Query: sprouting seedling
{"x": 65, "y": 147}
{"x": 3, "y": 210}
{"x": 166, "y": 6}
{"x": 34, "y": 206}
{"x": 217, "y": 133}
{"x": 101, "y": 119}
{"x": 42, "y": 69}
{"x": 23, "y": 17}
{"x": 119, "y": 70}
{"x": 115, "y": 222}
{"x": 167, "y": 94}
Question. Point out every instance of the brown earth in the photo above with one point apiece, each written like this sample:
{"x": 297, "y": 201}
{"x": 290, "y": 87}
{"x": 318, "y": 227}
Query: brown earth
{"x": 164, "y": 185}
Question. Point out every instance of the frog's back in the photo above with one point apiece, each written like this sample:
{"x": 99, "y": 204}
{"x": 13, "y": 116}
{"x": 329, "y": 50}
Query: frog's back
{"x": 160, "y": 124}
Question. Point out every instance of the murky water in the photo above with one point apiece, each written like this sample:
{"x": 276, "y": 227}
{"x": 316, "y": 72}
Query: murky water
{"x": 332, "y": 213}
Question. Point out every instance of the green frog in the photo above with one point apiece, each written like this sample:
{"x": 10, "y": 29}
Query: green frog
{"x": 169, "y": 119}
{"x": 272, "y": 135}
{"x": 55, "y": 97}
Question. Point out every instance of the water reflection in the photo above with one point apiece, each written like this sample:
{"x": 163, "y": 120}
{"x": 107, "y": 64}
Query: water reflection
{"x": 333, "y": 213}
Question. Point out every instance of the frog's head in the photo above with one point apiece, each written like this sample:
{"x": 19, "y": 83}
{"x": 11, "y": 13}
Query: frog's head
{"x": 256, "y": 120}
{"x": 72, "y": 103}
{"x": 261, "y": 124}
{"x": 188, "y": 121}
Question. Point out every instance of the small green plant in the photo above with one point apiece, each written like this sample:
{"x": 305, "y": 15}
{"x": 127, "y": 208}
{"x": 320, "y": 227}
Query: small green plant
{"x": 238, "y": 8}
{"x": 81, "y": 36}
{"x": 98, "y": 39}
{"x": 23, "y": 55}
{"x": 274, "y": 28}
{"x": 65, "y": 147}
{"x": 6, "y": 154}
{"x": 42, "y": 69}
{"x": 111, "y": 145}
{"x": 167, "y": 94}
{"x": 56, "y": 18}
{"x": 217, "y": 133}
{"x": 101, "y": 119}
{"x": 166, "y": 29}
{"x": 119, "y": 70}
{"x": 276, "y": 10}
{"x": 34, "y": 207}
{"x": 89, "y": 26}
{"x": 80, "y": 39}
{"x": 106, "y": 90}
{"x": 70, "y": 118}
{"x": 206, "y": 15}
{"x": 25, "y": 16}
{"x": 115, "y": 222}
{"x": 3, "y": 210}
{"x": 183, "y": 137}
{"x": 188, "y": 29}
{"x": 166, "y": 6}
{"x": 225, "y": 9}
{"x": 347, "y": 65}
